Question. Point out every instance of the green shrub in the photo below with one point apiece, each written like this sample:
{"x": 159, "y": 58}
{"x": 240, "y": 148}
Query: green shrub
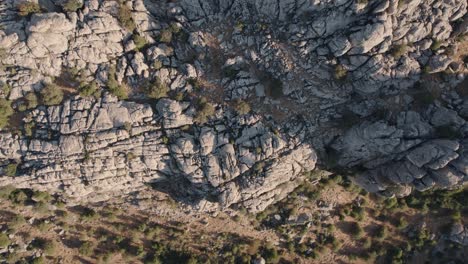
{"x": 72, "y": 5}
{"x": 157, "y": 89}
{"x": 4, "y": 87}
{"x": 114, "y": 87}
{"x": 436, "y": 44}
{"x": 88, "y": 214}
{"x": 204, "y": 111}
{"x": 5, "y": 112}
{"x": 38, "y": 260}
{"x": 165, "y": 35}
{"x": 242, "y": 107}
{"x": 51, "y": 94}
{"x": 10, "y": 169}
{"x": 125, "y": 17}
{"x": 86, "y": 248}
{"x": 401, "y": 223}
{"x": 31, "y": 100}
{"x": 87, "y": 90}
{"x": 356, "y": 230}
{"x": 381, "y": 233}
{"x": 340, "y": 72}
{"x": 140, "y": 41}
{"x": 40, "y": 196}
{"x": 27, "y": 8}
{"x": 399, "y": 50}
{"x": 4, "y": 240}
{"x": 5, "y": 191}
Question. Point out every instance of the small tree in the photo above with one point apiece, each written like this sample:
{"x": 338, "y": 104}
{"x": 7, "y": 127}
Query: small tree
{"x": 4, "y": 241}
{"x": 205, "y": 110}
{"x": 27, "y": 8}
{"x": 10, "y": 169}
{"x": 31, "y": 100}
{"x": 242, "y": 107}
{"x": 157, "y": 89}
{"x": 87, "y": 90}
{"x": 51, "y": 94}
{"x": 5, "y": 112}
{"x": 72, "y": 5}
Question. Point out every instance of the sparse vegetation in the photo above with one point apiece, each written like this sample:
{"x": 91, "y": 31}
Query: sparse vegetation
{"x": 10, "y": 169}
{"x": 165, "y": 35}
{"x": 242, "y": 107}
{"x": 140, "y": 41}
{"x": 114, "y": 87}
{"x": 51, "y": 94}
{"x": 4, "y": 241}
{"x": 204, "y": 111}
{"x": 90, "y": 89}
{"x": 125, "y": 17}
{"x": 436, "y": 44}
{"x": 156, "y": 89}
{"x": 5, "y": 112}
{"x": 399, "y": 50}
{"x": 72, "y": 5}
{"x": 340, "y": 72}
{"x": 31, "y": 100}
{"x": 27, "y": 8}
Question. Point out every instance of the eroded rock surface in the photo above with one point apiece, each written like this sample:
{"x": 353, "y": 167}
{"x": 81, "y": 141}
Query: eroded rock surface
{"x": 340, "y": 78}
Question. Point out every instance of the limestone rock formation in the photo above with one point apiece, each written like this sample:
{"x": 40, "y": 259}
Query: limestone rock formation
{"x": 338, "y": 83}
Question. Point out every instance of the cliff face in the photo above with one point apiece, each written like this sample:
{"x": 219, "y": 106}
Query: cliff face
{"x": 345, "y": 79}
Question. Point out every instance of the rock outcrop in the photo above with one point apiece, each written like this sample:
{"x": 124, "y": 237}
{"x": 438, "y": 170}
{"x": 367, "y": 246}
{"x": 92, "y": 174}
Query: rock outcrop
{"x": 340, "y": 78}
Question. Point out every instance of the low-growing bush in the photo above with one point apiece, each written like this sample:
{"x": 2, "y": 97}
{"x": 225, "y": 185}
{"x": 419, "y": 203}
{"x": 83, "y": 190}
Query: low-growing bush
{"x": 140, "y": 41}
{"x": 51, "y": 94}
{"x": 5, "y": 112}
{"x": 114, "y": 87}
{"x": 86, "y": 248}
{"x": 90, "y": 89}
{"x": 27, "y": 8}
{"x": 4, "y": 240}
{"x": 242, "y": 107}
{"x": 356, "y": 230}
{"x": 399, "y": 50}
{"x": 157, "y": 89}
{"x": 165, "y": 35}
{"x": 10, "y": 169}
{"x": 72, "y": 5}
{"x": 204, "y": 111}
{"x": 125, "y": 17}
{"x": 340, "y": 72}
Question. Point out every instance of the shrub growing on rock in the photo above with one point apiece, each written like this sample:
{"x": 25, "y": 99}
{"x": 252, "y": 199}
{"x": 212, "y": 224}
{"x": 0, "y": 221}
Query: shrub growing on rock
{"x": 356, "y": 230}
{"x": 114, "y": 87}
{"x": 399, "y": 50}
{"x": 205, "y": 110}
{"x": 340, "y": 72}
{"x": 5, "y": 112}
{"x": 72, "y": 5}
{"x": 139, "y": 41}
{"x": 165, "y": 36}
{"x": 86, "y": 248}
{"x": 242, "y": 107}
{"x": 4, "y": 241}
{"x": 51, "y": 94}
{"x": 125, "y": 17}
{"x": 31, "y": 100}
{"x": 10, "y": 169}
{"x": 157, "y": 89}
{"x": 87, "y": 90}
{"x": 27, "y": 8}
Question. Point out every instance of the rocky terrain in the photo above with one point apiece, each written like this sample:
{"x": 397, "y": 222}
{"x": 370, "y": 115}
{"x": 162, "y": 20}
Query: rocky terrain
{"x": 372, "y": 88}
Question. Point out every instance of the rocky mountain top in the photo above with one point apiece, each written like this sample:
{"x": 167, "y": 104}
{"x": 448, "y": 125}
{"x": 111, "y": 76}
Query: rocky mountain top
{"x": 232, "y": 103}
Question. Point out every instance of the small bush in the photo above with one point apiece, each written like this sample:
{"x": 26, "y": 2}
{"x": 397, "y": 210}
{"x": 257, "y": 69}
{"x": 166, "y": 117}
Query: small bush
{"x": 165, "y": 36}
{"x": 157, "y": 89}
{"x": 72, "y": 5}
{"x": 381, "y": 233}
{"x": 87, "y": 90}
{"x": 399, "y": 50}
{"x": 401, "y": 223}
{"x": 140, "y": 42}
{"x": 40, "y": 196}
{"x": 86, "y": 248}
{"x": 10, "y": 169}
{"x": 88, "y": 214}
{"x": 356, "y": 230}
{"x": 114, "y": 87}
{"x": 31, "y": 100}
{"x": 340, "y": 72}
{"x": 51, "y": 94}
{"x": 205, "y": 110}
{"x": 5, "y": 112}
{"x": 125, "y": 17}
{"x": 242, "y": 107}
{"x": 27, "y": 8}
{"x": 436, "y": 44}
{"x": 6, "y": 89}
{"x": 5, "y": 191}
{"x": 4, "y": 240}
